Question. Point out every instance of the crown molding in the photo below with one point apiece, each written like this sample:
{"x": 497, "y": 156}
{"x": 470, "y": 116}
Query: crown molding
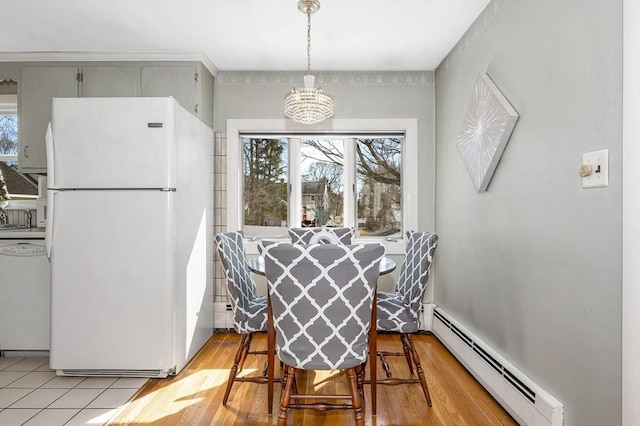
{"x": 108, "y": 57}
{"x": 328, "y": 78}
{"x": 488, "y": 14}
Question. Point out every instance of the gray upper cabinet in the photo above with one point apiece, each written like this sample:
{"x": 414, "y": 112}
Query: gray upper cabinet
{"x": 36, "y": 88}
{"x": 109, "y": 81}
{"x": 177, "y": 81}
{"x": 190, "y": 83}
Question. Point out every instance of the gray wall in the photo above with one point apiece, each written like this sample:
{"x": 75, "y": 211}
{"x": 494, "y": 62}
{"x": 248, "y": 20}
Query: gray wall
{"x": 533, "y": 266}
{"x": 247, "y": 94}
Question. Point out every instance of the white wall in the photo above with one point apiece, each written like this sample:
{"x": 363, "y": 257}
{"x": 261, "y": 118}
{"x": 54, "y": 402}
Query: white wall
{"x": 533, "y": 266}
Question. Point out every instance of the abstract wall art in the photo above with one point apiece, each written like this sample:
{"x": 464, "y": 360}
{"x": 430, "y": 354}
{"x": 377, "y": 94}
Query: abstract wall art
{"x": 485, "y": 131}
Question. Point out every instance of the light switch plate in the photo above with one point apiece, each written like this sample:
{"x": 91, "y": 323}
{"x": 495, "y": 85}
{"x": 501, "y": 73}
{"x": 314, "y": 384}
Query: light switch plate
{"x": 599, "y": 162}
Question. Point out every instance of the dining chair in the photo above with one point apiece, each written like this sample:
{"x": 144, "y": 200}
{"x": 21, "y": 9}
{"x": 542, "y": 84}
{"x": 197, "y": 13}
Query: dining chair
{"x": 249, "y": 310}
{"x": 321, "y": 234}
{"x": 399, "y": 312}
{"x": 321, "y": 299}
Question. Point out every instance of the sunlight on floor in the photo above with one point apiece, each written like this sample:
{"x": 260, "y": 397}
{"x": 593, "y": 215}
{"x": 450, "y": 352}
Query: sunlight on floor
{"x": 104, "y": 417}
{"x": 186, "y": 392}
{"x": 323, "y": 378}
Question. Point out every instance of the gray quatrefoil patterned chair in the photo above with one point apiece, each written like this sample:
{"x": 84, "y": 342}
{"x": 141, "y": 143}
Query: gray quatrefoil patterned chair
{"x": 249, "y": 310}
{"x": 321, "y": 235}
{"x": 399, "y": 312}
{"x": 321, "y": 299}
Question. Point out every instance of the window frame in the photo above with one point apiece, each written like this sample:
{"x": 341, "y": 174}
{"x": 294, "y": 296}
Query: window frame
{"x": 251, "y": 127}
{"x": 9, "y": 105}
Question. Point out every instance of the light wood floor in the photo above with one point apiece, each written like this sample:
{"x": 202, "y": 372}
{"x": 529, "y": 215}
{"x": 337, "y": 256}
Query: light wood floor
{"x": 194, "y": 397}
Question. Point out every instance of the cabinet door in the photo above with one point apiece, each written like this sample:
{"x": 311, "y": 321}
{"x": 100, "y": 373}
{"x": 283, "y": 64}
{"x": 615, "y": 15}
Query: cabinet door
{"x": 177, "y": 81}
{"x": 109, "y": 81}
{"x": 36, "y": 88}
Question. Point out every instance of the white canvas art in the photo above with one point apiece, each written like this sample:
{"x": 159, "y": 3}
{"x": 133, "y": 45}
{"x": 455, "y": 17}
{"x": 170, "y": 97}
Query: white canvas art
{"x": 485, "y": 131}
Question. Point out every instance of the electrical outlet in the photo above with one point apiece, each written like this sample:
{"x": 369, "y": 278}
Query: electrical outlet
{"x": 595, "y": 169}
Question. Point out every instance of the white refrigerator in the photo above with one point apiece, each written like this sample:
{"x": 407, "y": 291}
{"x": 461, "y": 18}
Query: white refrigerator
{"x": 130, "y": 236}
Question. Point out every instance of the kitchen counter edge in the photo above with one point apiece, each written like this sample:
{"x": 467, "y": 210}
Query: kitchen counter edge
{"x": 23, "y": 234}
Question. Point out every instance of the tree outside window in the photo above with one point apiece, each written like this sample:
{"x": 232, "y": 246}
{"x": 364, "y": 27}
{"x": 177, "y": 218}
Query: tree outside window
{"x": 265, "y": 182}
{"x": 8, "y": 146}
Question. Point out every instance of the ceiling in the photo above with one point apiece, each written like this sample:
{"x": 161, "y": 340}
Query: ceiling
{"x": 266, "y": 35}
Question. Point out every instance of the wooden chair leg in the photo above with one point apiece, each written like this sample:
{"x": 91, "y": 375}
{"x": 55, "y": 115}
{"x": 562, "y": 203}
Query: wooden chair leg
{"x": 385, "y": 364}
{"x": 283, "y": 381}
{"x": 234, "y": 370}
{"x": 294, "y": 387}
{"x": 245, "y": 351}
{"x": 356, "y": 401}
{"x": 407, "y": 353}
{"x": 360, "y": 372}
{"x": 420, "y": 371}
{"x": 286, "y": 396}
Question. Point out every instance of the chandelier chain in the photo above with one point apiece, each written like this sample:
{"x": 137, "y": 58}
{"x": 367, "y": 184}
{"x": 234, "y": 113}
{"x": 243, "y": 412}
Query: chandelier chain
{"x": 308, "y": 41}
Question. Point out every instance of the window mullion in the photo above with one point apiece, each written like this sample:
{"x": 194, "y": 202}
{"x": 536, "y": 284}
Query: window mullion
{"x": 350, "y": 212}
{"x": 295, "y": 183}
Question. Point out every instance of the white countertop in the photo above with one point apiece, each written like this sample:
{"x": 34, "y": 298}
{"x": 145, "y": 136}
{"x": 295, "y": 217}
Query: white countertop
{"x": 22, "y": 233}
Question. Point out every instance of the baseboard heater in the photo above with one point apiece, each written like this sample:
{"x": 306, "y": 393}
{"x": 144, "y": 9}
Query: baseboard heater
{"x": 520, "y": 396}
{"x": 222, "y": 316}
{"x": 153, "y": 374}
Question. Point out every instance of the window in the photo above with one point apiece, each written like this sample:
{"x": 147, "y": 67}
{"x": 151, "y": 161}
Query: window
{"x": 9, "y": 127}
{"x": 347, "y": 178}
{"x": 369, "y": 167}
{"x": 322, "y": 182}
{"x": 13, "y": 184}
{"x": 265, "y": 184}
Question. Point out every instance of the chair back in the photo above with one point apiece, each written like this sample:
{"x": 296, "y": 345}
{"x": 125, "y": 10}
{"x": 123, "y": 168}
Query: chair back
{"x": 415, "y": 269}
{"x": 321, "y": 299}
{"x": 241, "y": 289}
{"x": 321, "y": 235}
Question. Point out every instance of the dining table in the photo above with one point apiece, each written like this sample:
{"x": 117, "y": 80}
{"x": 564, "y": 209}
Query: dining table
{"x": 257, "y": 265}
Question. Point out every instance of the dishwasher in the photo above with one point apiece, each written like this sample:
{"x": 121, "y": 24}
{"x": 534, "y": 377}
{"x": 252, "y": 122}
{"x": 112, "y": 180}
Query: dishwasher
{"x": 25, "y": 296}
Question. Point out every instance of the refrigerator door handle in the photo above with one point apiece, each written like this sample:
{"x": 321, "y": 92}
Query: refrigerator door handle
{"x": 48, "y": 139}
{"x": 48, "y": 230}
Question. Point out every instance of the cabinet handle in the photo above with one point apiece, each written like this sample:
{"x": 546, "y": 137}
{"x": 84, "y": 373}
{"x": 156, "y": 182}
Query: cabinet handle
{"x": 25, "y": 151}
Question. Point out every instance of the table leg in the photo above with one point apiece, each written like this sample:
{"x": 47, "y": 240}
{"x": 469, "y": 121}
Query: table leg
{"x": 271, "y": 348}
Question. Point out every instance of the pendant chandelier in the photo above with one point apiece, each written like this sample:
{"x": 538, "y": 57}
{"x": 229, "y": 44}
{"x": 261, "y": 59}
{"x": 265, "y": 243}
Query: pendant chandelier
{"x": 308, "y": 105}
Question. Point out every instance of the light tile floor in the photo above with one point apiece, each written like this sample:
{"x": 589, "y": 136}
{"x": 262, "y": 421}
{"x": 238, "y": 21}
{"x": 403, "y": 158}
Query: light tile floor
{"x": 31, "y": 394}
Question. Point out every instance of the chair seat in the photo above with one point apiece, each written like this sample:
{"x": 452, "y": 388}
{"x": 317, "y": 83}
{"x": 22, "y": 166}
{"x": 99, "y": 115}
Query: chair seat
{"x": 394, "y": 315}
{"x": 253, "y": 318}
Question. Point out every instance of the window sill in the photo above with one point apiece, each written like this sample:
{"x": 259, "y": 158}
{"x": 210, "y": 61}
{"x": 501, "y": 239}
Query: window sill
{"x": 21, "y": 205}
